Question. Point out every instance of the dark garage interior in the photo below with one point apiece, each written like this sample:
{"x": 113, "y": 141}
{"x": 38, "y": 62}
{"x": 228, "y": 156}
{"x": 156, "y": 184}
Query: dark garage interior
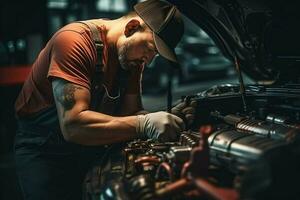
{"x": 235, "y": 90}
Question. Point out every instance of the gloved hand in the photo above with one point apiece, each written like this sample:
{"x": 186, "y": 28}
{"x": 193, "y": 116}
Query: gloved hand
{"x": 161, "y": 126}
{"x": 185, "y": 110}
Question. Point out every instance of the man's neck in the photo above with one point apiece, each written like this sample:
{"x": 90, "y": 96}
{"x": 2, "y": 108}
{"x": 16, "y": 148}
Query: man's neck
{"x": 114, "y": 30}
{"x": 112, "y": 33}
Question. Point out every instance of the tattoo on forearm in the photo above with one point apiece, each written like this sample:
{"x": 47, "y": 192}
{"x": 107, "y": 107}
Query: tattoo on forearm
{"x": 64, "y": 93}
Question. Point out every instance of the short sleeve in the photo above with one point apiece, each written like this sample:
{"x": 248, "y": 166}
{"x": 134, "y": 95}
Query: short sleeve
{"x": 71, "y": 58}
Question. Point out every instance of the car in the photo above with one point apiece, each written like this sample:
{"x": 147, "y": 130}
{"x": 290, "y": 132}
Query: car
{"x": 244, "y": 141}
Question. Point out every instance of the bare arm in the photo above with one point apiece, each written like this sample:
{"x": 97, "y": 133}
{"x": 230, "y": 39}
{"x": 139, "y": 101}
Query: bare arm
{"x": 83, "y": 126}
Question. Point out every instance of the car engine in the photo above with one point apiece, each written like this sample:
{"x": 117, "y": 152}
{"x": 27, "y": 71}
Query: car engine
{"x": 244, "y": 141}
{"x": 229, "y": 152}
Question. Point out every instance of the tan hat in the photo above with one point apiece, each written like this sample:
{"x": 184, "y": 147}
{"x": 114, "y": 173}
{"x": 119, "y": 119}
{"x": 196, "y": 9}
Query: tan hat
{"x": 165, "y": 21}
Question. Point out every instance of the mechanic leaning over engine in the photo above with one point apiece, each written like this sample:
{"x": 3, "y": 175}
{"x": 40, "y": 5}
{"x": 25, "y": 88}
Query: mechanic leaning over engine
{"x": 84, "y": 93}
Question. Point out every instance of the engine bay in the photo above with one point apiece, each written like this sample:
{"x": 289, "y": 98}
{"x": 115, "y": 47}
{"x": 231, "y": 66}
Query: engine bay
{"x": 229, "y": 152}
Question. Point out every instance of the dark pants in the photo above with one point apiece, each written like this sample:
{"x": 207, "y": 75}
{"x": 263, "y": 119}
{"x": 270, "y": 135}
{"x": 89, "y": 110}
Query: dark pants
{"x": 48, "y": 167}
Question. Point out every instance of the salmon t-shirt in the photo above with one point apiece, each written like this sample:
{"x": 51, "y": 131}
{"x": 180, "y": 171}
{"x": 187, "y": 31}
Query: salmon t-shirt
{"x": 71, "y": 55}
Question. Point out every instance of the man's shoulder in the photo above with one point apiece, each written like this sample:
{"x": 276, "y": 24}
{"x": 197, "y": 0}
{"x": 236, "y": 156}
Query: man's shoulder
{"x": 69, "y": 32}
{"x": 74, "y": 35}
{"x": 74, "y": 27}
{"x": 81, "y": 26}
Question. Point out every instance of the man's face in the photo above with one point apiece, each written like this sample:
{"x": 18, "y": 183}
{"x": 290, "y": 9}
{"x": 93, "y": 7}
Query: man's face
{"x": 137, "y": 50}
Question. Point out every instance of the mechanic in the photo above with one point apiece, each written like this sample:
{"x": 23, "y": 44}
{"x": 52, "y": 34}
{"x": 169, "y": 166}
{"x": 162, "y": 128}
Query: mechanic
{"x": 84, "y": 93}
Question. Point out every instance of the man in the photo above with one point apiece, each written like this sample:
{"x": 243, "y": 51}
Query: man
{"x": 81, "y": 97}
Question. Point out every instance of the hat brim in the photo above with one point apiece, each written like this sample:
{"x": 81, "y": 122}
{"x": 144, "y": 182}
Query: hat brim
{"x": 163, "y": 49}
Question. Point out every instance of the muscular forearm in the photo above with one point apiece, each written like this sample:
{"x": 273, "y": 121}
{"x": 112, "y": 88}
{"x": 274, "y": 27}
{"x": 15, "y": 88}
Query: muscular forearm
{"x": 92, "y": 128}
{"x": 81, "y": 125}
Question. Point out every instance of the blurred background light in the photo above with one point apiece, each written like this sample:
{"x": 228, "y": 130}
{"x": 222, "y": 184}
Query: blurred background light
{"x": 57, "y": 4}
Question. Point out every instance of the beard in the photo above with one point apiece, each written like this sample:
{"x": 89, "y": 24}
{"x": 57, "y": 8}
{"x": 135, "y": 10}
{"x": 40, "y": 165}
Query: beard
{"x": 125, "y": 63}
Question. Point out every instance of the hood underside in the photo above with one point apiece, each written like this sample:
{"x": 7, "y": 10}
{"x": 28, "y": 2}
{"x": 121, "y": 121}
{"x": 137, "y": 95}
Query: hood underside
{"x": 262, "y": 35}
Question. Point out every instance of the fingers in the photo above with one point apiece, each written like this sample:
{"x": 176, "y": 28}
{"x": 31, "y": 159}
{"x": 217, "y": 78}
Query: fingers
{"x": 193, "y": 103}
{"x": 181, "y": 105}
{"x": 166, "y": 126}
{"x": 190, "y": 119}
{"x": 179, "y": 122}
{"x": 172, "y": 132}
{"x": 178, "y": 108}
{"x": 188, "y": 110}
{"x": 162, "y": 126}
{"x": 180, "y": 127}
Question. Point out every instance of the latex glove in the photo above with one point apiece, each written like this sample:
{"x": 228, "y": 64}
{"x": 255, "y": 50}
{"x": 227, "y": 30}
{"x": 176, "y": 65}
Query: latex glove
{"x": 186, "y": 111}
{"x": 161, "y": 126}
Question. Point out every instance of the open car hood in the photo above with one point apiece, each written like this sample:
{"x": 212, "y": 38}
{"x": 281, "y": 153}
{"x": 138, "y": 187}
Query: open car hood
{"x": 262, "y": 35}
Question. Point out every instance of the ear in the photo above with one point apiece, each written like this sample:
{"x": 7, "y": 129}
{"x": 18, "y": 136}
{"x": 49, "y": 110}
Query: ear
{"x": 131, "y": 27}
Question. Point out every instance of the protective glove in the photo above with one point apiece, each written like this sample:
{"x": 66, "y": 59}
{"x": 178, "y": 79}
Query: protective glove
{"x": 161, "y": 126}
{"x": 185, "y": 110}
